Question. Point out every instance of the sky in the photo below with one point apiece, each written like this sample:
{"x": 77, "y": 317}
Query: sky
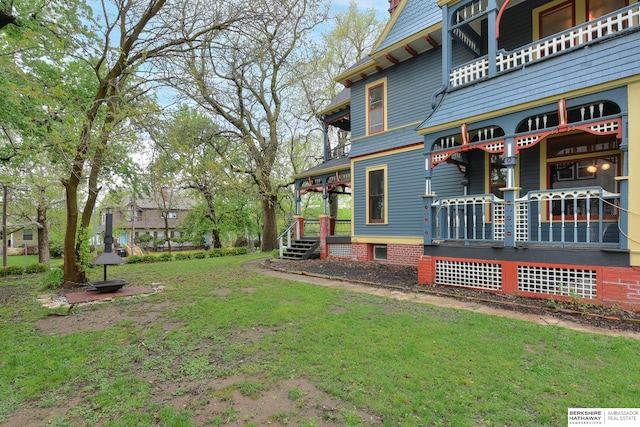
{"x": 381, "y": 6}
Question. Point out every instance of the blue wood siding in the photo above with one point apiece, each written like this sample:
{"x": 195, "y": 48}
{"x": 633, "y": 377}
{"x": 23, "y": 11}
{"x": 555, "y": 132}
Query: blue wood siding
{"x": 409, "y": 89}
{"x": 477, "y": 171}
{"x": 529, "y": 169}
{"x": 447, "y": 180}
{"x": 405, "y": 186}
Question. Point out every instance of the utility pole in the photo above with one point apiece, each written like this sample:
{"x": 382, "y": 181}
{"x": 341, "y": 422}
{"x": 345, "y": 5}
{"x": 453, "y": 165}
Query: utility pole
{"x": 4, "y": 225}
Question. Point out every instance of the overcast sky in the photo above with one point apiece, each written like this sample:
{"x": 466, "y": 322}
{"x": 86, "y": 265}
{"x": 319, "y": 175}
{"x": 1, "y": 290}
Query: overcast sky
{"x": 381, "y": 6}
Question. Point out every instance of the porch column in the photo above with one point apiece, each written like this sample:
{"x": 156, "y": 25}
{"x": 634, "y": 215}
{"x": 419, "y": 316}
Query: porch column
{"x": 428, "y": 198}
{"x": 324, "y": 232}
{"x": 510, "y": 193}
{"x": 298, "y": 200}
{"x": 325, "y": 198}
{"x": 299, "y": 228}
{"x": 446, "y": 47}
{"x": 492, "y": 48}
{"x": 623, "y": 182}
{"x": 325, "y": 135}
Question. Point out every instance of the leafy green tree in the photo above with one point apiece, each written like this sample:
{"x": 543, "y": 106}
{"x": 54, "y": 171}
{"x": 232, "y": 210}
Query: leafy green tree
{"x": 242, "y": 78}
{"x": 138, "y": 35}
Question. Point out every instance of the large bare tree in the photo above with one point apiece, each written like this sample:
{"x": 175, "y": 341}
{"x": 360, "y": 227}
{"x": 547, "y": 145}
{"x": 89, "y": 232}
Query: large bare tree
{"x": 242, "y": 77}
{"x": 135, "y": 35}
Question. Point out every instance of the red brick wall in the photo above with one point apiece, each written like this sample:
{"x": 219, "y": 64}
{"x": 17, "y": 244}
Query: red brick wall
{"x": 404, "y": 254}
{"x": 360, "y": 251}
{"x": 621, "y": 285}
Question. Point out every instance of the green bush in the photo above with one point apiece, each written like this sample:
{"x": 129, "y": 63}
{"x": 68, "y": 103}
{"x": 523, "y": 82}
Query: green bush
{"x": 181, "y": 256}
{"x": 216, "y": 252}
{"x": 133, "y": 259}
{"x": 12, "y": 270}
{"x": 36, "y": 268}
{"x": 55, "y": 250}
{"x": 149, "y": 258}
{"x": 53, "y": 279}
{"x": 199, "y": 255}
{"x": 165, "y": 256}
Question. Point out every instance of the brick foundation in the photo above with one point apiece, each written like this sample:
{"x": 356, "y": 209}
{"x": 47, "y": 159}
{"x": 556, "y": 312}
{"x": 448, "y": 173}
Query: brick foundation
{"x": 614, "y": 285}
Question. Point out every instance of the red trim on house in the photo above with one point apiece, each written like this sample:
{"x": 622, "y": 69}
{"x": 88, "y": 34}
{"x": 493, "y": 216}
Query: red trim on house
{"x": 391, "y": 59}
{"x": 379, "y": 69}
{"x": 348, "y": 83}
{"x": 431, "y": 41}
{"x": 499, "y": 18}
{"x": 363, "y": 76}
{"x": 411, "y": 51}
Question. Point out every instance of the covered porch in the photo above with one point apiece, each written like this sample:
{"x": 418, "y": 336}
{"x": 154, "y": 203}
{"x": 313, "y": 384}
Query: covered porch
{"x": 331, "y": 182}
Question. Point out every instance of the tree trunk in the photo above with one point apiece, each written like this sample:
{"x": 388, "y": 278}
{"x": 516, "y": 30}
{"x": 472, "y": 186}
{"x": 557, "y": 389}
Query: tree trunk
{"x": 43, "y": 236}
{"x": 270, "y": 225}
{"x": 72, "y": 272}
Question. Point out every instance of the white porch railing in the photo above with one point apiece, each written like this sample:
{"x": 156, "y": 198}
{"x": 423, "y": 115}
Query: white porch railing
{"x": 285, "y": 238}
{"x": 567, "y": 216}
{"x": 622, "y": 20}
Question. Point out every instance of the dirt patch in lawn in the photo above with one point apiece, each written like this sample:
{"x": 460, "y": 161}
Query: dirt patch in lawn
{"x": 398, "y": 280}
{"x": 100, "y": 317}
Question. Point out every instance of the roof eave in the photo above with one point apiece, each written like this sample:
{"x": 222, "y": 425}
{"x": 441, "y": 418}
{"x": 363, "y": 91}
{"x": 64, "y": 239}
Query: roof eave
{"x": 335, "y": 107}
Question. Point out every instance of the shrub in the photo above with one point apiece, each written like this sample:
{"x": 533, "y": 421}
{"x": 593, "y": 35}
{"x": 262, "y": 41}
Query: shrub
{"x": 55, "y": 250}
{"x": 53, "y": 279}
{"x": 36, "y": 268}
{"x": 199, "y": 255}
{"x": 149, "y": 258}
{"x": 166, "y": 256}
{"x": 215, "y": 252}
{"x": 133, "y": 259}
{"x": 12, "y": 270}
{"x": 181, "y": 256}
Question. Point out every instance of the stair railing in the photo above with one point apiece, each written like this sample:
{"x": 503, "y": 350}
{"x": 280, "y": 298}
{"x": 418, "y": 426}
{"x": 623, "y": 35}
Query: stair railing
{"x": 293, "y": 227}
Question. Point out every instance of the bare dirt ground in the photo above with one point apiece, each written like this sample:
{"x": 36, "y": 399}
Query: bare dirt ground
{"x": 402, "y": 279}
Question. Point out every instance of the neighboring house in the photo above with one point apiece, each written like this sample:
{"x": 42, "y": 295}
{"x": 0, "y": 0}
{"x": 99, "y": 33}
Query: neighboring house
{"x": 17, "y": 241}
{"x": 491, "y": 144}
{"x": 147, "y": 216}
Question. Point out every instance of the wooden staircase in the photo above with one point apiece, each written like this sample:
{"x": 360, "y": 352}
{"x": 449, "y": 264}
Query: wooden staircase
{"x": 301, "y": 249}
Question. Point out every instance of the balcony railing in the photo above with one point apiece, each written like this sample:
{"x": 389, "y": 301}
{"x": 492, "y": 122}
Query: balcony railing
{"x": 580, "y": 216}
{"x": 623, "y": 20}
{"x": 339, "y": 151}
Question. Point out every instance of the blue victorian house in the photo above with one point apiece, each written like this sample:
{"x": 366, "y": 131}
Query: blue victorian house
{"x": 491, "y": 144}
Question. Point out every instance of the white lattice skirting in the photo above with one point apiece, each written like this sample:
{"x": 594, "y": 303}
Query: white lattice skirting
{"x": 471, "y": 274}
{"x": 546, "y": 280}
{"x": 557, "y": 281}
{"x": 340, "y": 250}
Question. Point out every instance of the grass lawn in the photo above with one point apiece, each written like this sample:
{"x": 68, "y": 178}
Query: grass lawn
{"x": 220, "y": 339}
{"x": 24, "y": 260}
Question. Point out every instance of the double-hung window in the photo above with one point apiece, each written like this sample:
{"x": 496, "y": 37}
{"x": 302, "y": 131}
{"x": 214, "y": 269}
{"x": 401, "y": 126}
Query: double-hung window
{"x": 376, "y": 107}
{"x": 377, "y": 206}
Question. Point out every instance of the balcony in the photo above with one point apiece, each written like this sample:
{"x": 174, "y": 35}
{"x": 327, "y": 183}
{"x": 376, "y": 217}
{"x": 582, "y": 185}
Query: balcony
{"x": 567, "y": 217}
{"x": 625, "y": 20}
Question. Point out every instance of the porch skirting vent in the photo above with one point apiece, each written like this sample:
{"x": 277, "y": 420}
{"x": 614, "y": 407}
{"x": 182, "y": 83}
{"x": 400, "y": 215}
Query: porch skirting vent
{"x": 469, "y": 274}
{"x": 557, "y": 281}
{"x": 340, "y": 251}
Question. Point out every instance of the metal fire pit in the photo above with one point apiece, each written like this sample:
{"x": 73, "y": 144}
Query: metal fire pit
{"x": 108, "y": 257}
{"x": 105, "y": 286}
